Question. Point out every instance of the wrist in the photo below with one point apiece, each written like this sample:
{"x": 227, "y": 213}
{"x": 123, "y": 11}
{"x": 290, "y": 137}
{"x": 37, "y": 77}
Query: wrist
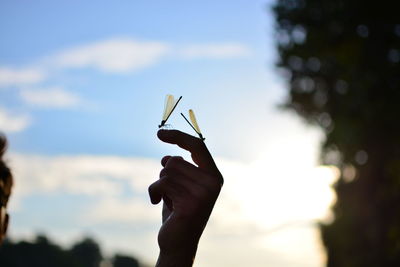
{"x": 182, "y": 258}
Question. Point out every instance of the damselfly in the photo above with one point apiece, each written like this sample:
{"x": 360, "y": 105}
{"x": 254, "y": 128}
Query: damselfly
{"x": 194, "y": 123}
{"x": 169, "y": 107}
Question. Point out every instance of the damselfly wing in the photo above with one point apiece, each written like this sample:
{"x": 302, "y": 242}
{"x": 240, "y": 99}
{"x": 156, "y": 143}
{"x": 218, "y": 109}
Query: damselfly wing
{"x": 170, "y": 105}
{"x": 193, "y": 123}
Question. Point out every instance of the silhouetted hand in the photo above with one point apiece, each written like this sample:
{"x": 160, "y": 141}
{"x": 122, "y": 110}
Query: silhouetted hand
{"x": 189, "y": 193}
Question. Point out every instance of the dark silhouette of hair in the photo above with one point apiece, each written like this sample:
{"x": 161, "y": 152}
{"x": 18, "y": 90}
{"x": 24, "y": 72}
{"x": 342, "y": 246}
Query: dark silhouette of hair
{"x": 5, "y": 173}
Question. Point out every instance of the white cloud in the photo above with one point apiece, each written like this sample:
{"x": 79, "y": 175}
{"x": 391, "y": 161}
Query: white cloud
{"x": 214, "y": 51}
{"x": 10, "y": 123}
{"x": 114, "y": 210}
{"x": 114, "y": 55}
{"x": 306, "y": 198}
{"x": 81, "y": 175}
{"x": 18, "y": 77}
{"x": 117, "y": 55}
{"x": 252, "y": 202}
{"x": 54, "y": 97}
{"x": 128, "y": 55}
{"x": 101, "y": 177}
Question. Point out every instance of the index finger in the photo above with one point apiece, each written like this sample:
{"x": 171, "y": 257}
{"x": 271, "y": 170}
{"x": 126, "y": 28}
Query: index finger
{"x": 200, "y": 154}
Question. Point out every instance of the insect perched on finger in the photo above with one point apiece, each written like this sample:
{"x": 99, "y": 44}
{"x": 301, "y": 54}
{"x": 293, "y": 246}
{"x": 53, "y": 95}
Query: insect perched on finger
{"x": 194, "y": 124}
{"x": 170, "y": 105}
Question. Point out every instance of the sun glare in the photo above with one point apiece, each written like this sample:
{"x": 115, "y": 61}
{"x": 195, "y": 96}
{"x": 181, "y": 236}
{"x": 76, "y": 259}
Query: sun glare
{"x": 282, "y": 196}
{"x": 278, "y": 190}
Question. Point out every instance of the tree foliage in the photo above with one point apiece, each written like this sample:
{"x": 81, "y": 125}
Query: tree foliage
{"x": 342, "y": 61}
{"x": 124, "y": 261}
{"x": 87, "y": 252}
{"x": 44, "y": 253}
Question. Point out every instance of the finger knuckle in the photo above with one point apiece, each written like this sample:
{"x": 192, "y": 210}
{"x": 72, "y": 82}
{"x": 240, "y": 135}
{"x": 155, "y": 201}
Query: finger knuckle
{"x": 165, "y": 159}
{"x": 163, "y": 172}
{"x": 220, "y": 179}
{"x": 173, "y": 162}
{"x": 151, "y": 188}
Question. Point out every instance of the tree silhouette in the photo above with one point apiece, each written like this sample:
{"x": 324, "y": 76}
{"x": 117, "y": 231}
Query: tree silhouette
{"x": 87, "y": 253}
{"x": 44, "y": 253}
{"x": 124, "y": 261}
{"x": 342, "y": 61}
{"x": 41, "y": 253}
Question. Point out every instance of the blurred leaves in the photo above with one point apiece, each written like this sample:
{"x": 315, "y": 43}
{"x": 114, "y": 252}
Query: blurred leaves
{"x": 342, "y": 60}
{"x": 44, "y": 253}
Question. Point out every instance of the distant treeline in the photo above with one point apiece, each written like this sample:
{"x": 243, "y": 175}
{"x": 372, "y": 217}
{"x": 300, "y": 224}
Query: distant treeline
{"x": 44, "y": 253}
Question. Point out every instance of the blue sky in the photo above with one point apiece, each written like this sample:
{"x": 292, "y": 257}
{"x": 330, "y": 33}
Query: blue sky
{"x": 82, "y": 88}
{"x": 33, "y": 32}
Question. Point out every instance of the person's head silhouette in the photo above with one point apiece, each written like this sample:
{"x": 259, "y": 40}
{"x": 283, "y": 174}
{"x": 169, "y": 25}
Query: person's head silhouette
{"x": 6, "y": 182}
